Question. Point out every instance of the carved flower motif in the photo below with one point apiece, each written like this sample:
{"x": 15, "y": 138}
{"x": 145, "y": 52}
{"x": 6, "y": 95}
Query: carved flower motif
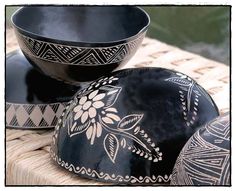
{"x": 94, "y": 113}
{"x": 88, "y": 105}
{"x": 91, "y": 109}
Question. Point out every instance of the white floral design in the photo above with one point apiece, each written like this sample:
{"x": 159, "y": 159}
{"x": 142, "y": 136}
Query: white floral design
{"x": 92, "y": 111}
{"x": 88, "y": 105}
{"x": 87, "y": 110}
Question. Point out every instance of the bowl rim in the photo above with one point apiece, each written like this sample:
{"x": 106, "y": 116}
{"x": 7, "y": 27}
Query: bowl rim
{"x": 81, "y": 43}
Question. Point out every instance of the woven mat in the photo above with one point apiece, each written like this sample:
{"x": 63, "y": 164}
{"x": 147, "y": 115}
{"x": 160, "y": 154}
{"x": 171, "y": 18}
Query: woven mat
{"x": 27, "y": 152}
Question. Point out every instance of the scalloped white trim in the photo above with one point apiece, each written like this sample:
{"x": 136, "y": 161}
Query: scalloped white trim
{"x": 107, "y": 177}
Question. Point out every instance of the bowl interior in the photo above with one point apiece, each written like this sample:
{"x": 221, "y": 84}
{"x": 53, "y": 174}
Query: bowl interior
{"x": 82, "y": 23}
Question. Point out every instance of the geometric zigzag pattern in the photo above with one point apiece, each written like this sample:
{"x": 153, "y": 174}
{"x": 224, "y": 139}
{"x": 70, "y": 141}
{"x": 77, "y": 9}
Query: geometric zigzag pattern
{"x": 53, "y": 52}
{"x": 205, "y": 159}
{"x": 31, "y": 116}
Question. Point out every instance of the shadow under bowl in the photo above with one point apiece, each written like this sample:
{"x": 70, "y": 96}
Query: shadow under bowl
{"x": 79, "y": 43}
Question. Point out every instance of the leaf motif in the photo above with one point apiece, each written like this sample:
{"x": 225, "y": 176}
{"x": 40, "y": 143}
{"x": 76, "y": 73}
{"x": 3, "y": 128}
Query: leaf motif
{"x": 179, "y": 81}
{"x": 112, "y": 93}
{"x": 111, "y": 146}
{"x": 77, "y": 129}
{"x": 129, "y": 121}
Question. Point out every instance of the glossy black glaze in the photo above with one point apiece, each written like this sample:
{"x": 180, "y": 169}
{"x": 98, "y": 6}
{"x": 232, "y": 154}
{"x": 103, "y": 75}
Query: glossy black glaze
{"x": 79, "y": 43}
{"x": 33, "y": 100}
{"x": 205, "y": 158}
{"x": 26, "y": 85}
{"x": 150, "y": 120}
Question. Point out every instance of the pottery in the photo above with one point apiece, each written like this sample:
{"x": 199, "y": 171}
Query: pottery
{"x": 79, "y": 43}
{"x": 205, "y": 158}
{"x": 33, "y": 100}
{"x": 128, "y": 127}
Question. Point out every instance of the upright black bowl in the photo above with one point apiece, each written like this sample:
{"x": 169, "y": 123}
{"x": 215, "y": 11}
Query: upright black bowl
{"x": 79, "y": 43}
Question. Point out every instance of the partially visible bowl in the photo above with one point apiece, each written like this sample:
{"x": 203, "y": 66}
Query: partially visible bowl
{"x": 79, "y": 43}
{"x": 205, "y": 158}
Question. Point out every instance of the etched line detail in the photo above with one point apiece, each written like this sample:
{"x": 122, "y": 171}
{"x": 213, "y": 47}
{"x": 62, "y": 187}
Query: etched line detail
{"x": 73, "y": 55}
{"x": 93, "y": 113}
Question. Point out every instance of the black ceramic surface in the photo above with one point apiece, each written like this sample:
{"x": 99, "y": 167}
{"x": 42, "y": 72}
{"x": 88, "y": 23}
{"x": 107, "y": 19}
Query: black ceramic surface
{"x": 130, "y": 126}
{"x": 79, "y": 43}
{"x": 205, "y": 158}
{"x": 33, "y": 100}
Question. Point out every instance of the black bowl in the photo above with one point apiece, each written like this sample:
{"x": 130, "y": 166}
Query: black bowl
{"x": 79, "y": 43}
{"x": 33, "y": 100}
{"x": 130, "y": 126}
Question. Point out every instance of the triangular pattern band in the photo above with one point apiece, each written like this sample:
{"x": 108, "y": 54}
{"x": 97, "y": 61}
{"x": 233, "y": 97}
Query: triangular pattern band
{"x": 30, "y": 116}
{"x": 73, "y": 55}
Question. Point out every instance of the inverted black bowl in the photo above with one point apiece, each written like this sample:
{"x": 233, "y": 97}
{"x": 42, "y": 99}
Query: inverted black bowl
{"x": 128, "y": 127}
{"x": 79, "y": 43}
{"x": 33, "y": 100}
